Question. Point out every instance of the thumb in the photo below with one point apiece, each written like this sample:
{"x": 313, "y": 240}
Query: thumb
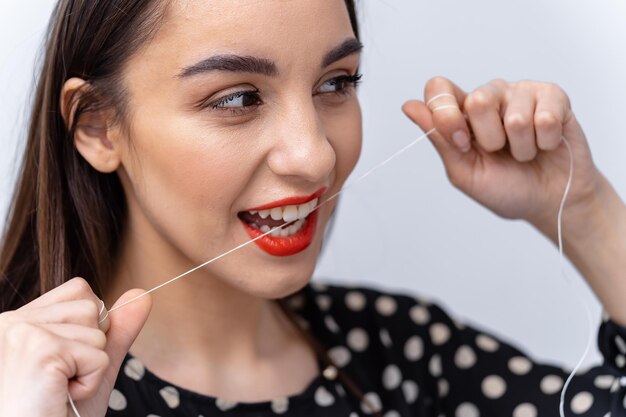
{"x": 125, "y": 325}
{"x": 421, "y": 115}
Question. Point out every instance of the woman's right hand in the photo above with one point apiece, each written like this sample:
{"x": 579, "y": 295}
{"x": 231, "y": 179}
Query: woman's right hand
{"x": 54, "y": 346}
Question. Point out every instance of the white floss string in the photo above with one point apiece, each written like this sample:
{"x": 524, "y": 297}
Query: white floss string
{"x": 346, "y": 187}
{"x": 236, "y": 248}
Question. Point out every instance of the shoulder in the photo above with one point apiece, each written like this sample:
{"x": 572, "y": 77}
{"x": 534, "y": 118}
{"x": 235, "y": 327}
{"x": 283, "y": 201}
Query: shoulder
{"x": 391, "y": 315}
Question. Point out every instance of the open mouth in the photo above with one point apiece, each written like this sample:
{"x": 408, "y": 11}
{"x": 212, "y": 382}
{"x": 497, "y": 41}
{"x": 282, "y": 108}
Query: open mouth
{"x": 265, "y": 220}
{"x": 297, "y": 214}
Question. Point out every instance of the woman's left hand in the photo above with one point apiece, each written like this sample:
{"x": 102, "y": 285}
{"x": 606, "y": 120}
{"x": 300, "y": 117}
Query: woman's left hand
{"x": 517, "y": 165}
{"x": 501, "y": 145}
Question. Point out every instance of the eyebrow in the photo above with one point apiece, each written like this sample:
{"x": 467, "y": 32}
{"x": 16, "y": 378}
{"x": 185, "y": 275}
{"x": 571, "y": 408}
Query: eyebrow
{"x": 232, "y": 63}
{"x": 346, "y": 48}
{"x": 256, "y": 65}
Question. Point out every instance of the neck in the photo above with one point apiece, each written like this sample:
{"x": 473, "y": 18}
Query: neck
{"x": 199, "y": 317}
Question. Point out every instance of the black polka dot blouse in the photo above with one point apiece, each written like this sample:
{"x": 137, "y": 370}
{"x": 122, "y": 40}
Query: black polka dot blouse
{"x": 410, "y": 359}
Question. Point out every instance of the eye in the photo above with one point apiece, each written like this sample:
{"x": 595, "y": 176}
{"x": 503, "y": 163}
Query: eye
{"x": 341, "y": 84}
{"x": 238, "y": 100}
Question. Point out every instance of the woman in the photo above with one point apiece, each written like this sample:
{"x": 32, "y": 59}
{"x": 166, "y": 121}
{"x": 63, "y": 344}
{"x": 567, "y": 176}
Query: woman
{"x": 166, "y": 133}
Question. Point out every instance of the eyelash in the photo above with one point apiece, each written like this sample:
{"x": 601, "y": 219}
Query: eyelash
{"x": 352, "y": 80}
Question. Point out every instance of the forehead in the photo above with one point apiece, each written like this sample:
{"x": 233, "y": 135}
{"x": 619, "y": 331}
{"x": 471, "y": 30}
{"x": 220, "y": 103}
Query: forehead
{"x": 276, "y": 29}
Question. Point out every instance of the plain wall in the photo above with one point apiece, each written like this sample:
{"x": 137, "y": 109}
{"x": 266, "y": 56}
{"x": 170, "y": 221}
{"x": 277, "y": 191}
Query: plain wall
{"x": 405, "y": 228}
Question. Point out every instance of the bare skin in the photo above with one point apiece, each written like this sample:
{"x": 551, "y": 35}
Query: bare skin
{"x": 188, "y": 170}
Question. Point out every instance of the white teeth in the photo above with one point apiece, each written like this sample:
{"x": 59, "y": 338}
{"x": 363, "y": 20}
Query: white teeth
{"x": 276, "y": 233}
{"x": 303, "y": 211}
{"x": 290, "y": 213}
{"x": 276, "y": 213}
{"x": 265, "y": 228}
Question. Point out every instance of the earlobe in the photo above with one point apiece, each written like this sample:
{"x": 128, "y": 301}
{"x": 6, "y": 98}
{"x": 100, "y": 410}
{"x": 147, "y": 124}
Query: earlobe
{"x": 93, "y": 136}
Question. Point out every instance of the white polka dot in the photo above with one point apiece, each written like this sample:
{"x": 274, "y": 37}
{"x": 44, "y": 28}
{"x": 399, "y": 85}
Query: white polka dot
{"x": 414, "y": 348}
{"x": 465, "y": 357}
{"x": 582, "y": 402}
{"x": 443, "y": 387}
{"x": 525, "y": 410}
{"x": 340, "y": 390}
{"x": 371, "y": 403}
{"x": 392, "y": 377}
{"x": 224, "y": 405}
{"x": 466, "y": 410}
{"x": 323, "y": 398}
{"x": 331, "y": 324}
{"x": 493, "y": 387}
{"x": 419, "y": 314}
{"x": 385, "y": 338}
{"x": 353, "y": 414}
{"x": 323, "y": 302}
{"x": 280, "y": 405}
{"x": 355, "y": 300}
{"x": 117, "y": 401}
{"x": 340, "y": 355}
{"x": 170, "y": 396}
{"x": 604, "y": 381}
{"x": 620, "y": 361}
{"x": 551, "y": 384}
{"x": 520, "y": 365}
{"x": 410, "y": 391}
{"x": 392, "y": 413}
{"x": 439, "y": 333}
{"x": 385, "y": 305}
{"x": 435, "y": 366}
{"x": 134, "y": 369}
{"x": 486, "y": 343}
{"x": 358, "y": 339}
{"x": 152, "y": 415}
{"x": 621, "y": 345}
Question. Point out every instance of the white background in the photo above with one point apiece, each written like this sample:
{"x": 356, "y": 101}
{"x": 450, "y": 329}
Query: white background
{"x": 405, "y": 228}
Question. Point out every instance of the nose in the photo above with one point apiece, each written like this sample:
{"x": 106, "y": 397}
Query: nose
{"x": 301, "y": 147}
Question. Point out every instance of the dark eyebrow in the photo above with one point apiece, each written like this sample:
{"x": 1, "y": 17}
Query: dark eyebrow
{"x": 346, "y": 48}
{"x": 232, "y": 63}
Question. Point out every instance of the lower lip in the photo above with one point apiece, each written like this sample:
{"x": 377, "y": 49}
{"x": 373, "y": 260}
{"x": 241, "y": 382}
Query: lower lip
{"x": 285, "y": 246}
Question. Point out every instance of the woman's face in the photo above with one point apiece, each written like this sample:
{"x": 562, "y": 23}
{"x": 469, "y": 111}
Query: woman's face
{"x": 242, "y": 114}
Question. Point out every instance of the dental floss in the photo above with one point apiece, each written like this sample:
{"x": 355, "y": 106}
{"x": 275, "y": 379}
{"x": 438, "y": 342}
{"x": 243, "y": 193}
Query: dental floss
{"x": 362, "y": 177}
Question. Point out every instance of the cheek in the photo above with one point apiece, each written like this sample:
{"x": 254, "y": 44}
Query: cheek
{"x": 344, "y": 131}
{"x": 183, "y": 176}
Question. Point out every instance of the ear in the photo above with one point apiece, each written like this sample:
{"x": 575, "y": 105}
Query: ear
{"x": 93, "y": 137}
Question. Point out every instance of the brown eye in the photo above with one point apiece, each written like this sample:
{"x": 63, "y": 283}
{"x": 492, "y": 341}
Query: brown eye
{"x": 341, "y": 84}
{"x": 237, "y": 100}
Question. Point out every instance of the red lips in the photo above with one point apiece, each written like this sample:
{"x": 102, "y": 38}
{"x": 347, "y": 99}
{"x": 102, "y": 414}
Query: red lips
{"x": 290, "y": 245}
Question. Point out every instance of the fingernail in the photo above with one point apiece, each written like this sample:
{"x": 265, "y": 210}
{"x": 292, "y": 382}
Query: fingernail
{"x": 461, "y": 140}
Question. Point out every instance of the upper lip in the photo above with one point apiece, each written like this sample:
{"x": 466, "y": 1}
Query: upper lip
{"x": 290, "y": 201}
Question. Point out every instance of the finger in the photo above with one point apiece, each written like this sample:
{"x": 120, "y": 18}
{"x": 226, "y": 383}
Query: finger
{"x": 103, "y": 318}
{"x": 90, "y": 366}
{"x": 74, "y": 289}
{"x": 422, "y": 116}
{"x": 86, "y": 335}
{"x": 484, "y": 107}
{"x": 126, "y": 323}
{"x": 81, "y": 312}
{"x": 443, "y": 97}
{"x": 518, "y": 124}
{"x": 551, "y": 114}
